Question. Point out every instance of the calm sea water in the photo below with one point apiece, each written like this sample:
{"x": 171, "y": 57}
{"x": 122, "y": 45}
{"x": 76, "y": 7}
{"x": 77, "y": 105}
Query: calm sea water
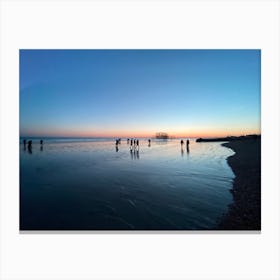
{"x": 85, "y": 184}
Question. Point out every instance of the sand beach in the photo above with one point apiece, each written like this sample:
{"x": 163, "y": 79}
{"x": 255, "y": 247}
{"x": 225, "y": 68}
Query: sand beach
{"x": 245, "y": 212}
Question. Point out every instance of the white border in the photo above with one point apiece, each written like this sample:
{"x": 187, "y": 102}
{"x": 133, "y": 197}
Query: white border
{"x": 139, "y": 24}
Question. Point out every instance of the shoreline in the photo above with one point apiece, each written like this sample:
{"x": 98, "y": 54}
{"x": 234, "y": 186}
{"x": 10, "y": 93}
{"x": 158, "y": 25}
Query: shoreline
{"x": 245, "y": 211}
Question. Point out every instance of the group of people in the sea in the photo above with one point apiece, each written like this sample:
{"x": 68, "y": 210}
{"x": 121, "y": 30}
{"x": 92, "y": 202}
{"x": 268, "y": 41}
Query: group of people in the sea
{"x": 187, "y": 142}
{"x": 29, "y": 145}
{"x": 187, "y": 146}
{"x": 134, "y": 144}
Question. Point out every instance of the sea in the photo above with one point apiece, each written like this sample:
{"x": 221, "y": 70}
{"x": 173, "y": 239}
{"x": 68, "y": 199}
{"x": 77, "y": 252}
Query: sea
{"x": 94, "y": 184}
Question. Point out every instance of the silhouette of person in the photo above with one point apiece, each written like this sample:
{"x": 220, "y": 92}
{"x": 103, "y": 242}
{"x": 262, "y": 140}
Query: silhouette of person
{"x": 182, "y": 142}
{"x": 134, "y": 141}
{"x": 117, "y": 142}
{"x": 188, "y": 142}
{"x": 41, "y": 142}
{"x": 137, "y": 143}
{"x": 29, "y": 146}
{"x": 149, "y": 145}
{"x": 127, "y": 140}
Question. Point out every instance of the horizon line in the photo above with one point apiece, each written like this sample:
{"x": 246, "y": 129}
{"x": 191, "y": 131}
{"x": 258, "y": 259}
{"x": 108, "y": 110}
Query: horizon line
{"x": 170, "y": 137}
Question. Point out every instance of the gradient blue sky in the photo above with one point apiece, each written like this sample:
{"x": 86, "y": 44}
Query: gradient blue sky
{"x": 125, "y": 93}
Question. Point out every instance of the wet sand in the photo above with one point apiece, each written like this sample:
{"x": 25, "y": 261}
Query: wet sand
{"x": 245, "y": 212}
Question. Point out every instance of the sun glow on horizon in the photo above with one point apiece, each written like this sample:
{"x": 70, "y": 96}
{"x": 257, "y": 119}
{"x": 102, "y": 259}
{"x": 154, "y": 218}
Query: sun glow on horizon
{"x": 191, "y": 133}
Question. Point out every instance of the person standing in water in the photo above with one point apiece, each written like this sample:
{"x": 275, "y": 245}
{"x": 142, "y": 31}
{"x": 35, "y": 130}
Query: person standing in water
{"x": 29, "y": 146}
{"x": 182, "y": 142}
{"x": 131, "y": 142}
{"x": 188, "y": 143}
{"x": 41, "y": 145}
{"x": 137, "y": 143}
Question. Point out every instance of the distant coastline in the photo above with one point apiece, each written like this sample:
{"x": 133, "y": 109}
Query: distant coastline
{"x": 230, "y": 138}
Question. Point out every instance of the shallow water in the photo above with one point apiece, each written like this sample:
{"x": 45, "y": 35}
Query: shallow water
{"x": 87, "y": 184}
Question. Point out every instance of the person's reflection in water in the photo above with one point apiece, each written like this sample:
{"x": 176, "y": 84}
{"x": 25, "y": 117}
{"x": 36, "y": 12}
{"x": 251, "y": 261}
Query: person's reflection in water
{"x": 134, "y": 154}
{"x": 188, "y": 150}
{"x": 117, "y": 148}
{"x": 182, "y": 151}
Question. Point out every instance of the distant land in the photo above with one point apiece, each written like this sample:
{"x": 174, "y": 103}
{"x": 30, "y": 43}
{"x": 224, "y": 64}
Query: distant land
{"x": 230, "y": 138}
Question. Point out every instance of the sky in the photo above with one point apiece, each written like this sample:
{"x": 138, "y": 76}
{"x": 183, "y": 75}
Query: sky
{"x": 136, "y": 93}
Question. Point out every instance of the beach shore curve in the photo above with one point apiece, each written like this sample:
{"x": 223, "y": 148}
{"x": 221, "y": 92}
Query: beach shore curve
{"x": 245, "y": 211}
